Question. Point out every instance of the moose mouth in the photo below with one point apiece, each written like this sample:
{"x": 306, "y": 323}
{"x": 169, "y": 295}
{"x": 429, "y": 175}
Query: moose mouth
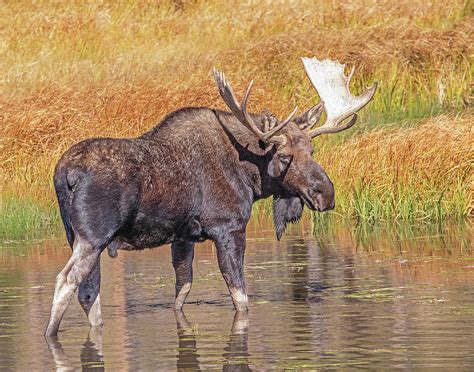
{"x": 310, "y": 202}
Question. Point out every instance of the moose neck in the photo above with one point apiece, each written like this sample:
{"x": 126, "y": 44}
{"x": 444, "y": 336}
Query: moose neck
{"x": 253, "y": 155}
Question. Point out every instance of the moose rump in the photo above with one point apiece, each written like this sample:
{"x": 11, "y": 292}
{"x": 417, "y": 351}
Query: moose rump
{"x": 94, "y": 207}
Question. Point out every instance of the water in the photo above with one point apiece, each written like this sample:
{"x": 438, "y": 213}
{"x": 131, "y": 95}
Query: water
{"x": 390, "y": 296}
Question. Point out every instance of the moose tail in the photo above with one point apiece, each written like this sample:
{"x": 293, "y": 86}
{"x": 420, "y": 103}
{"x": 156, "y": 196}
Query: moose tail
{"x": 64, "y": 194}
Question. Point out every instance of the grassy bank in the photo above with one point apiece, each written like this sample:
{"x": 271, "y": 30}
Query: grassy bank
{"x": 27, "y": 217}
{"x": 76, "y": 70}
{"x": 422, "y": 172}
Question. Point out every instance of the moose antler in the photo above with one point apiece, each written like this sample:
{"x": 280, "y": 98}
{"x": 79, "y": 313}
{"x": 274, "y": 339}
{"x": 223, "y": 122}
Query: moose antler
{"x": 268, "y": 135}
{"x": 332, "y": 85}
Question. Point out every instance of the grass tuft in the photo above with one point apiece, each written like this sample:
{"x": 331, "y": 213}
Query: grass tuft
{"x": 26, "y": 217}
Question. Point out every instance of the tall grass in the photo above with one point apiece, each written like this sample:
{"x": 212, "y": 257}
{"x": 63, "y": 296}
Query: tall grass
{"x": 422, "y": 172}
{"x": 26, "y": 217}
{"x": 73, "y": 70}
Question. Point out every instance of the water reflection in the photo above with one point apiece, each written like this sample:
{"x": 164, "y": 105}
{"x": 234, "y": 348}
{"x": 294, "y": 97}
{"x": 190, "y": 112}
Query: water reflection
{"x": 236, "y": 353}
{"x": 91, "y": 356}
{"x": 187, "y": 357}
{"x": 235, "y": 356}
{"x": 385, "y": 296}
{"x": 91, "y": 352}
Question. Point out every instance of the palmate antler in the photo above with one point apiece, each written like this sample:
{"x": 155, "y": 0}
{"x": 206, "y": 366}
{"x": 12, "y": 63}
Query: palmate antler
{"x": 270, "y": 128}
{"x": 332, "y": 85}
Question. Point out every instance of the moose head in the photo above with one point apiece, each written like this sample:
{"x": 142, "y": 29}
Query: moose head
{"x": 290, "y": 150}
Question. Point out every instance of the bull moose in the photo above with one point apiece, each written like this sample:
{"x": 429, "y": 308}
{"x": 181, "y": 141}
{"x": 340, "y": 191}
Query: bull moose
{"x": 194, "y": 177}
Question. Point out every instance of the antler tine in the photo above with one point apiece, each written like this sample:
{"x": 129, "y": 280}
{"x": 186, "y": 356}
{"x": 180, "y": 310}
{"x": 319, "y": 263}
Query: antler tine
{"x": 227, "y": 93}
{"x": 287, "y": 120}
{"x": 333, "y": 86}
{"x": 328, "y": 130}
{"x": 247, "y": 116}
{"x": 349, "y": 77}
{"x": 240, "y": 110}
{"x": 267, "y": 135}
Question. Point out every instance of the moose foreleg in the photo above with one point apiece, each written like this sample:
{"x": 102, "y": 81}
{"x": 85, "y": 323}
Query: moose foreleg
{"x": 182, "y": 254}
{"x": 230, "y": 254}
{"x": 89, "y": 295}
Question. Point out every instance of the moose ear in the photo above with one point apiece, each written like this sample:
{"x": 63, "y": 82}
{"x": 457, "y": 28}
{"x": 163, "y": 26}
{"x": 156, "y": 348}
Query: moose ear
{"x": 279, "y": 164}
{"x": 285, "y": 210}
{"x": 310, "y": 117}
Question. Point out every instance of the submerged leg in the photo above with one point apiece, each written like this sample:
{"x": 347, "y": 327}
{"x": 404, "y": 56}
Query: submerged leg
{"x": 230, "y": 254}
{"x": 182, "y": 254}
{"x": 89, "y": 295}
{"x": 77, "y": 268}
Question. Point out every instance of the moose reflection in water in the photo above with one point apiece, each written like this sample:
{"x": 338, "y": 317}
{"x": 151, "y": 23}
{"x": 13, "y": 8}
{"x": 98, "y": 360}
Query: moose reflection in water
{"x": 235, "y": 354}
{"x": 91, "y": 353}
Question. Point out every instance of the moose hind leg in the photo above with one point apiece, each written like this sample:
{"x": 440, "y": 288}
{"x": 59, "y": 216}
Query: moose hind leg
{"x": 89, "y": 295}
{"x": 77, "y": 268}
{"x": 182, "y": 254}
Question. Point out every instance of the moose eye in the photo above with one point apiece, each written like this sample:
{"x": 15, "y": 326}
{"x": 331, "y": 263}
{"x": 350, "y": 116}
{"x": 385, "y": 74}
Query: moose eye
{"x": 285, "y": 159}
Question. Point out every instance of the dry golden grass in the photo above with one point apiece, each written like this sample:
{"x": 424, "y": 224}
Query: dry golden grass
{"x": 407, "y": 172}
{"x": 72, "y": 70}
{"x": 440, "y": 149}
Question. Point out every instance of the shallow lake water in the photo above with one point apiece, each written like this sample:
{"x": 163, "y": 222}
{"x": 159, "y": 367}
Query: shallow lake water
{"x": 338, "y": 296}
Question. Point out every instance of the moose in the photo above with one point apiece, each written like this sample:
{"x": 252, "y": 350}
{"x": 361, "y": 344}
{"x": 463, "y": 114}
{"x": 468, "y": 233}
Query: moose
{"x": 191, "y": 178}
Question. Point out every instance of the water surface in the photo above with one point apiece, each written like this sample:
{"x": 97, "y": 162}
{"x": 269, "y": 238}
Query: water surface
{"x": 358, "y": 296}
